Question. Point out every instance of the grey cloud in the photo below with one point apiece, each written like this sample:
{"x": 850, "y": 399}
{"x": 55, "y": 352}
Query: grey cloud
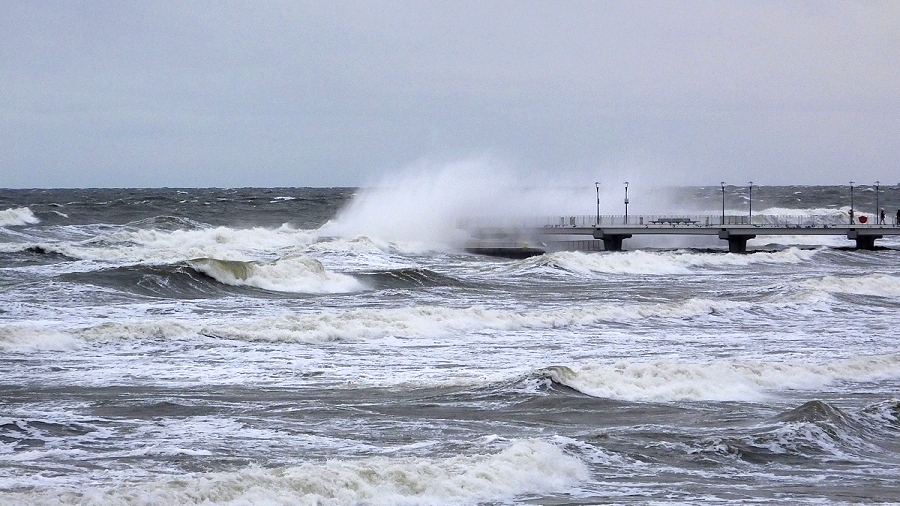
{"x": 318, "y": 93}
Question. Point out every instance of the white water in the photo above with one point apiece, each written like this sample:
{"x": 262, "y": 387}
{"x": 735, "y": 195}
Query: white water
{"x": 295, "y": 273}
{"x": 724, "y": 380}
{"x": 17, "y": 217}
{"x": 663, "y": 262}
{"x": 526, "y": 466}
{"x": 325, "y": 384}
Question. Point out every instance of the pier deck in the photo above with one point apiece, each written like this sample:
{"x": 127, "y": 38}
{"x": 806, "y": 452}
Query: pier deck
{"x": 737, "y": 230}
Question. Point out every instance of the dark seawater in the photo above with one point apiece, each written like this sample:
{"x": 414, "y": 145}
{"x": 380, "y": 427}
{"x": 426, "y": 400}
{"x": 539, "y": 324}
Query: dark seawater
{"x": 320, "y": 346}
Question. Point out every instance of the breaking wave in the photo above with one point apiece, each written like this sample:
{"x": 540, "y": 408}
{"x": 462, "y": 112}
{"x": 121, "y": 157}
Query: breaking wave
{"x": 815, "y": 429}
{"x": 658, "y": 262}
{"x": 26, "y": 338}
{"x": 665, "y": 381}
{"x": 408, "y": 278}
{"x": 295, "y": 274}
{"x": 424, "y": 322}
{"x": 162, "y": 246}
{"x": 881, "y": 285}
{"x": 524, "y": 467}
{"x": 17, "y": 217}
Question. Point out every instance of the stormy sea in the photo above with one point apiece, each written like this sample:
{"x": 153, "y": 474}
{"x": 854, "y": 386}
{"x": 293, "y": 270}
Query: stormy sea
{"x": 337, "y": 346}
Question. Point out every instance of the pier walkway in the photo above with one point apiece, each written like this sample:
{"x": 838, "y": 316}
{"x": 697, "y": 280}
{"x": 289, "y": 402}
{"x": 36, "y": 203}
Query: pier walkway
{"x": 737, "y": 230}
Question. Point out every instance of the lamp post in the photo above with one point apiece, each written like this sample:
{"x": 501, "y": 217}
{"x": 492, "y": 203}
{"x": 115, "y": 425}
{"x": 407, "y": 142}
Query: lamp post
{"x": 877, "y": 207}
{"x": 723, "y": 202}
{"x": 751, "y": 202}
{"x": 626, "y": 202}
{"x": 597, "y": 184}
{"x": 851, "y": 203}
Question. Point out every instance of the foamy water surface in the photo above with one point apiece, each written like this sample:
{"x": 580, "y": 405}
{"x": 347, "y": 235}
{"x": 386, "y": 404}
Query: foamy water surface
{"x": 256, "y": 347}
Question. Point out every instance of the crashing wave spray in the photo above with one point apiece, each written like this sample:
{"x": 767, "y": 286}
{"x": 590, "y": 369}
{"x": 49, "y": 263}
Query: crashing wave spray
{"x": 17, "y": 217}
{"x": 427, "y": 203}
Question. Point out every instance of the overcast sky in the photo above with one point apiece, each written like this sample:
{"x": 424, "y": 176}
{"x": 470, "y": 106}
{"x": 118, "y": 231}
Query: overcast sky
{"x": 154, "y": 93}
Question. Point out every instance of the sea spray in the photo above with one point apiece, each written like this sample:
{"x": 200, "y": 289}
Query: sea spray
{"x": 432, "y": 204}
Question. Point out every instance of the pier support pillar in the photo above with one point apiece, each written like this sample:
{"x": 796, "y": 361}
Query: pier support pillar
{"x": 737, "y": 243}
{"x": 866, "y": 242}
{"x": 611, "y": 242}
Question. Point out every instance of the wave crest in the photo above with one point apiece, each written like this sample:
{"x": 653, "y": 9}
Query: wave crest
{"x": 17, "y": 217}
{"x": 524, "y": 467}
{"x": 665, "y": 381}
{"x": 881, "y": 285}
{"x": 657, "y": 262}
{"x": 295, "y": 274}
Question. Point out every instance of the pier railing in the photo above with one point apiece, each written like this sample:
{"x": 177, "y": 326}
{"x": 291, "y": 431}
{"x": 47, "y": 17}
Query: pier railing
{"x": 667, "y": 220}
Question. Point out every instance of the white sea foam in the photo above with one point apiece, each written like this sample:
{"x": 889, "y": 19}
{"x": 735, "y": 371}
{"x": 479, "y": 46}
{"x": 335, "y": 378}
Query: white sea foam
{"x": 881, "y": 285}
{"x": 524, "y": 467}
{"x": 16, "y": 217}
{"x": 365, "y": 324}
{"x": 364, "y": 252}
{"x": 161, "y": 247}
{"x": 661, "y": 262}
{"x": 837, "y": 213}
{"x": 719, "y": 381}
{"x": 136, "y": 329}
{"x": 27, "y": 338}
{"x": 833, "y": 241}
{"x": 438, "y": 322}
{"x": 297, "y": 274}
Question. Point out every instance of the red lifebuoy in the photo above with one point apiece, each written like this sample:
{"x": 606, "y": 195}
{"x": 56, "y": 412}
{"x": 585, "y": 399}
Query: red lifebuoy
{"x": 863, "y": 219}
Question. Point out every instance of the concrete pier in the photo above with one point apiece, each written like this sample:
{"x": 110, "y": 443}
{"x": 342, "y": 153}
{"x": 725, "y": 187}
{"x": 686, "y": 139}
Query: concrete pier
{"x": 736, "y": 230}
{"x": 737, "y": 242}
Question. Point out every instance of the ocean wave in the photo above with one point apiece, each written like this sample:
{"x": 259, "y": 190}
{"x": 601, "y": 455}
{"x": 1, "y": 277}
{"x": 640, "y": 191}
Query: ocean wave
{"x": 295, "y": 274}
{"x": 363, "y": 324}
{"x": 132, "y": 246}
{"x": 210, "y": 278}
{"x": 667, "y": 381}
{"x": 30, "y": 338}
{"x": 430, "y": 322}
{"x": 880, "y": 285}
{"x": 175, "y": 281}
{"x": 408, "y": 278}
{"x": 17, "y": 217}
{"x": 372, "y": 253}
{"x": 837, "y": 213}
{"x": 167, "y": 223}
{"x": 524, "y": 467}
{"x": 813, "y": 430}
{"x": 819, "y": 428}
{"x": 658, "y": 262}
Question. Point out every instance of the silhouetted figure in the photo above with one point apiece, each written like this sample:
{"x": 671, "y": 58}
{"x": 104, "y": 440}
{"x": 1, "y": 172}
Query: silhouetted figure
{"x": 882, "y": 217}
{"x": 851, "y": 217}
{"x": 897, "y": 220}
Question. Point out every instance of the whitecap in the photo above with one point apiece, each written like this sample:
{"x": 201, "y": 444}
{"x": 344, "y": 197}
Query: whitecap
{"x": 660, "y": 262}
{"x": 27, "y": 338}
{"x": 16, "y": 217}
{"x": 881, "y": 285}
{"x": 667, "y": 381}
{"x": 296, "y": 274}
{"x": 524, "y": 467}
